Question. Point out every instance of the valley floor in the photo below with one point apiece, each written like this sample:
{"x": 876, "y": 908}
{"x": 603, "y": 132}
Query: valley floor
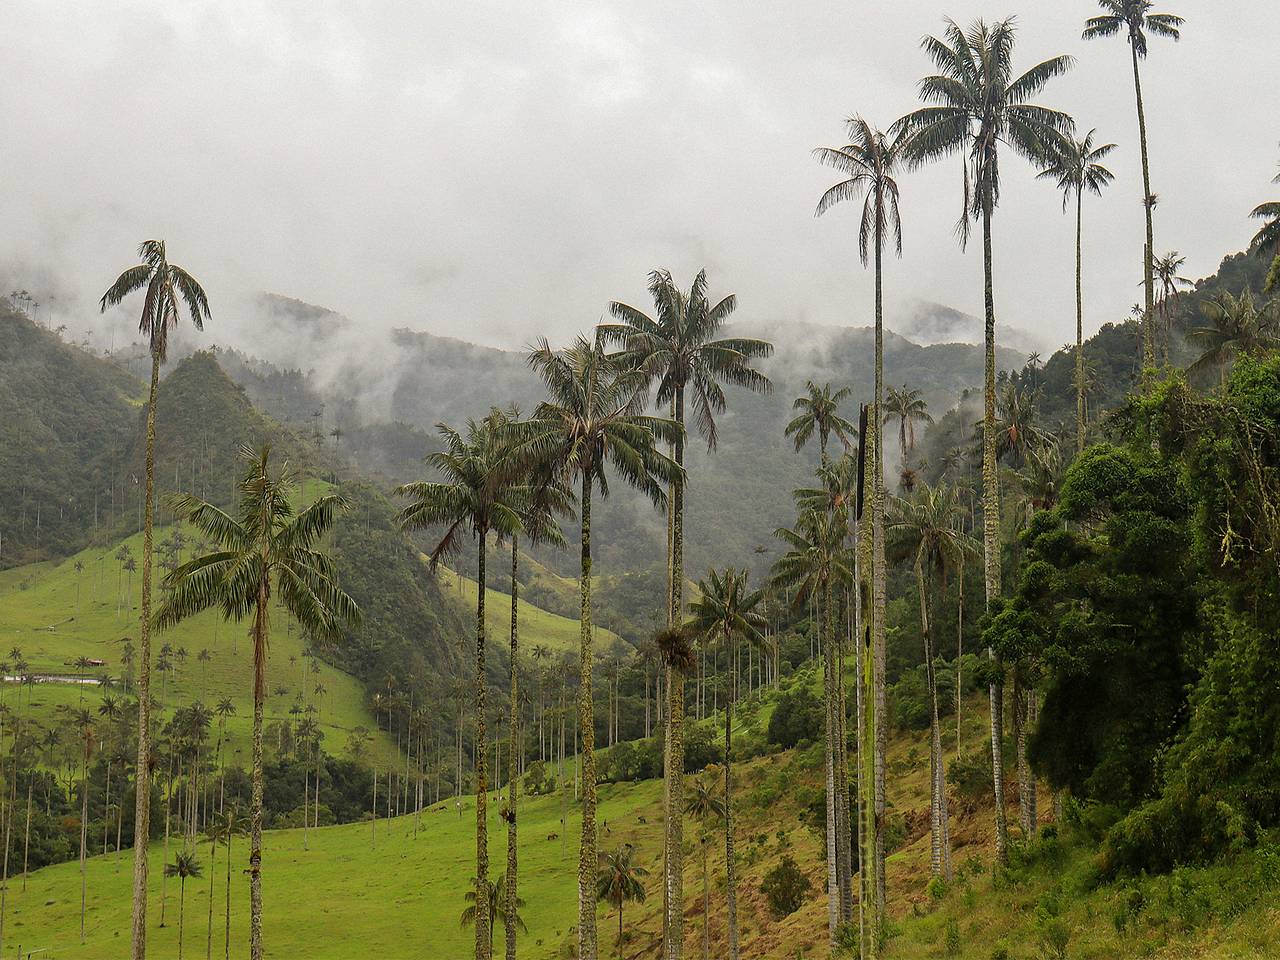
{"x": 392, "y": 892}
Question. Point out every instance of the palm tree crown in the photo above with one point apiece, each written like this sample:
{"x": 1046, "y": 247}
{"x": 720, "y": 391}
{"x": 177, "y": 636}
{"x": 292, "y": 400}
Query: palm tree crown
{"x": 909, "y": 408}
{"x": 819, "y": 411}
{"x": 679, "y": 347}
{"x": 1267, "y": 239}
{"x": 869, "y": 161}
{"x": 1235, "y": 326}
{"x": 1135, "y": 18}
{"x": 726, "y": 608}
{"x": 167, "y": 285}
{"x": 265, "y": 541}
{"x": 1076, "y": 166}
{"x": 974, "y": 103}
{"x": 591, "y": 420}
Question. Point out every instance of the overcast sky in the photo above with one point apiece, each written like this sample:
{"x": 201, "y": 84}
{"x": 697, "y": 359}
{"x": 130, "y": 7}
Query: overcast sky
{"x": 498, "y": 170}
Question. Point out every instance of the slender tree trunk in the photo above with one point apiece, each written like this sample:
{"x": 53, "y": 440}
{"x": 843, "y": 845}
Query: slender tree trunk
{"x": 1148, "y": 204}
{"x": 513, "y": 784}
{"x": 142, "y": 774}
{"x": 213, "y": 873}
{"x": 26, "y": 840}
{"x": 831, "y": 726}
{"x": 84, "y": 839}
{"x": 730, "y": 869}
{"x": 484, "y": 945}
{"x": 877, "y": 707}
{"x": 706, "y": 906}
{"x": 226, "y": 933}
{"x": 939, "y": 852}
{"x": 991, "y": 524}
{"x": 1080, "y": 418}
{"x": 587, "y": 854}
{"x": 261, "y": 626}
{"x": 674, "y": 887}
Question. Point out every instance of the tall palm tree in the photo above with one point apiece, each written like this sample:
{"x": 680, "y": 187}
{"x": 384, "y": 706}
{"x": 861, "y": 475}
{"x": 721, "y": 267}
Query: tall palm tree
{"x": 1077, "y": 168}
{"x": 589, "y": 422}
{"x": 819, "y": 412}
{"x": 620, "y": 880}
{"x": 924, "y": 530}
{"x": 908, "y": 407}
{"x": 1234, "y": 326}
{"x": 264, "y": 545}
{"x": 185, "y": 866}
{"x": 705, "y": 806}
{"x": 871, "y": 161}
{"x": 1135, "y": 19}
{"x": 974, "y": 104}
{"x": 1266, "y": 242}
{"x": 474, "y": 497}
{"x": 680, "y": 348}
{"x": 168, "y": 289}
{"x": 816, "y": 562}
{"x": 726, "y": 613}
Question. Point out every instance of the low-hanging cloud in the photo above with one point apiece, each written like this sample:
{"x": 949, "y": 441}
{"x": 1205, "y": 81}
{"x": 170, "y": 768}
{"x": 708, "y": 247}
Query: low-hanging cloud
{"x": 494, "y": 170}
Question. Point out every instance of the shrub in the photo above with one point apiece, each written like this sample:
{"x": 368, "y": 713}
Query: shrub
{"x": 796, "y": 718}
{"x": 785, "y": 888}
{"x": 1054, "y": 938}
{"x": 951, "y": 938}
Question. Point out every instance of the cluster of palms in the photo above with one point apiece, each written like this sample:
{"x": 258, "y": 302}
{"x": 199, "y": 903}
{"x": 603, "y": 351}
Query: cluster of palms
{"x": 510, "y": 478}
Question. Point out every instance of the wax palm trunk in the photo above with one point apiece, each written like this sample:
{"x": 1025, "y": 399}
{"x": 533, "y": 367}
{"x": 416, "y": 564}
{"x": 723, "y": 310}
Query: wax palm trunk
{"x": 879, "y": 577}
{"x": 255, "y": 804}
{"x": 587, "y": 855}
{"x": 1080, "y": 416}
{"x": 674, "y": 838}
{"x": 730, "y": 869}
{"x": 513, "y": 786}
{"x": 1148, "y": 253}
{"x": 939, "y": 839}
{"x": 483, "y": 922}
{"x": 142, "y": 774}
{"x": 991, "y": 525}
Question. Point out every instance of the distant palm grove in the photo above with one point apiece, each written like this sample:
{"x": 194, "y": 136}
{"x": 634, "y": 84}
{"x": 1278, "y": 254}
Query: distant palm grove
{"x": 1021, "y": 650}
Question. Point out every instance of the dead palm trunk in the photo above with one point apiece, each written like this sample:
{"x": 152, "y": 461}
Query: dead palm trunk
{"x": 142, "y": 774}
{"x": 830, "y": 726}
{"x": 706, "y": 905}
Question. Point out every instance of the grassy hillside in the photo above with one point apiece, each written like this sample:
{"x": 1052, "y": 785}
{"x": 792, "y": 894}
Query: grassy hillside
{"x": 407, "y": 886}
{"x": 538, "y": 627}
{"x": 55, "y": 614}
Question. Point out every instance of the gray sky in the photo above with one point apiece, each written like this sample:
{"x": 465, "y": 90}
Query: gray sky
{"x": 497, "y": 170}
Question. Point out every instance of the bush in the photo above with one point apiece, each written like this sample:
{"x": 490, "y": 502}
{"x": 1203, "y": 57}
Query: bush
{"x": 796, "y": 718}
{"x": 951, "y": 938}
{"x": 970, "y": 775}
{"x": 785, "y": 888}
{"x": 1054, "y": 938}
